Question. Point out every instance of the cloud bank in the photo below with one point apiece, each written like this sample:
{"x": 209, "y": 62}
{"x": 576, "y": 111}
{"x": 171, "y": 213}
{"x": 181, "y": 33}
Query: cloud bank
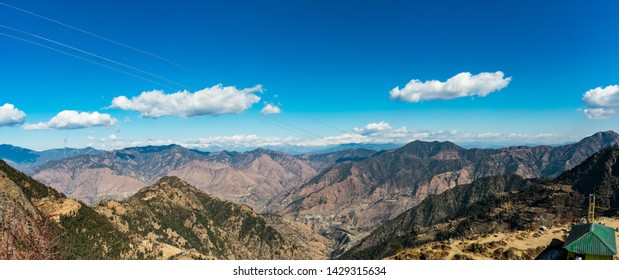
{"x": 602, "y": 103}
{"x": 69, "y": 119}
{"x": 213, "y": 101}
{"x": 11, "y": 116}
{"x": 372, "y": 128}
{"x": 461, "y": 85}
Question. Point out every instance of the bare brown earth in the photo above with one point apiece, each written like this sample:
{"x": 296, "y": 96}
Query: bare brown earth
{"x": 518, "y": 245}
{"x": 254, "y": 184}
{"x": 90, "y": 185}
{"x": 54, "y": 208}
{"x": 252, "y": 178}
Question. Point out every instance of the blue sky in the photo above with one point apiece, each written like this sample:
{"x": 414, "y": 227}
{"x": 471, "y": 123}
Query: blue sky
{"x": 329, "y": 66}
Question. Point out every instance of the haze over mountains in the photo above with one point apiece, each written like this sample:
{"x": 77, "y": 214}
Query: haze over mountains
{"x": 25, "y": 159}
{"x": 330, "y": 202}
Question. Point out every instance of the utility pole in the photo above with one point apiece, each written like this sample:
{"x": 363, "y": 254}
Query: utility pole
{"x": 591, "y": 214}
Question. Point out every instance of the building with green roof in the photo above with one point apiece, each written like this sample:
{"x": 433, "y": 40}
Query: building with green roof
{"x": 591, "y": 242}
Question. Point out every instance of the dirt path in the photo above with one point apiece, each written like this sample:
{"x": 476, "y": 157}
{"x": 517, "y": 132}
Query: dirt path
{"x": 515, "y": 245}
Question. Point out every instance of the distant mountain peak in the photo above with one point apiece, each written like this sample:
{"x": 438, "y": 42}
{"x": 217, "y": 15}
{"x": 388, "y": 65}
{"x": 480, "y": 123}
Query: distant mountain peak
{"x": 169, "y": 185}
{"x": 264, "y": 151}
{"x": 602, "y": 137}
{"x": 428, "y": 149}
{"x": 606, "y": 133}
{"x": 152, "y": 149}
{"x": 169, "y": 180}
{"x": 172, "y": 181}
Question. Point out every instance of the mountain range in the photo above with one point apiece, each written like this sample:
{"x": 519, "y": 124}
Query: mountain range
{"x": 167, "y": 220}
{"x": 250, "y": 177}
{"x": 24, "y": 159}
{"x": 173, "y": 202}
{"x": 356, "y": 196}
{"x": 499, "y": 204}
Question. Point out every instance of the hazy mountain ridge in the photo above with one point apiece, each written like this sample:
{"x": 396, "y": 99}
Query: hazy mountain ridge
{"x": 25, "y": 159}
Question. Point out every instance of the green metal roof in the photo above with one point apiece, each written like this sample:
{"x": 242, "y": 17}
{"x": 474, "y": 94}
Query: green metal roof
{"x": 593, "y": 239}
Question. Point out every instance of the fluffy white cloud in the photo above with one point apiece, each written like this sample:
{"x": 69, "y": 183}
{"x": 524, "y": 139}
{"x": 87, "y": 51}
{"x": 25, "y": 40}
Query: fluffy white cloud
{"x": 602, "y": 103}
{"x": 461, "y": 85}
{"x": 69, "y": 119}
{"x": 270, "y": 109}
{"x": 216, "y": 100}
{"x": 11, "y": 116}
{"x": 372, "y": 128}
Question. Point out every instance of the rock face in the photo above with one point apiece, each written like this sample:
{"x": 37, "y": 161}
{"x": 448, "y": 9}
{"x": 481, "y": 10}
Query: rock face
{"x": 496, "y": 204}
{"x": 176, "y": 214}
{"x": 360, "y": 195}
{"x": 252, "y": 177}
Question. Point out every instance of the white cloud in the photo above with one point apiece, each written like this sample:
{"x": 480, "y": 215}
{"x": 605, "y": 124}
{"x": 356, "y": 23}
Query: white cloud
{"x": 401, "y": 130}
{"x": 270, "y": 109}
{"x": 398, "y": 132}
{"x": 397, "y": 136}
{"x": 461, "y": 85}
{"x": 602, "y": 103}
{"x": 372, "y": 128}
{"x": 69, "y": 119}
{"x": 213, "y": 101}
{"x": 11, "y": 116}
{"x": 239, "y": 141}
{"x": 110, "y": 138}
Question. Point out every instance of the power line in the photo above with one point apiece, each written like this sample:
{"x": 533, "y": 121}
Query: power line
{"x": 279, "y": 123}
{"x": 106, "y": 39}
{"x": 328, "y": 125}
{"x": 85, "y": 59}
{"x": 288, "y": 127}
{"x": 97, "y": 56}
{"x": 305, "y": 130}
